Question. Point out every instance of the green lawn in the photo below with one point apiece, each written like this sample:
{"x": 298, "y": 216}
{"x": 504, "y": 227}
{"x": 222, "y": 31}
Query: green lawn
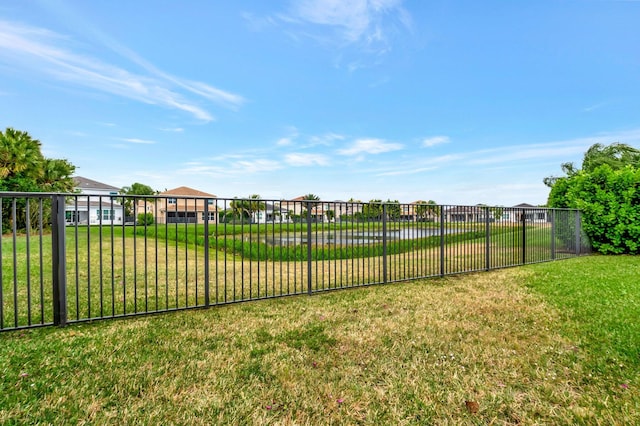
{"x": 552, "y": 343}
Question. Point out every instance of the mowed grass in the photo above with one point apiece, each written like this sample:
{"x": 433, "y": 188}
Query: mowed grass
{"x": 554, "y": 343}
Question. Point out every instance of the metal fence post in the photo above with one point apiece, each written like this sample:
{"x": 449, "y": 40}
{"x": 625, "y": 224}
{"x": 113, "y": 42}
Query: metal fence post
{"x": 58, "y": 258}
{"x": 309, "y": 252}
{"x": 442, "y": 241}
{"x": 487, "y": 236}
{"x": 578, "y": 231}
{"x": 384, "y": 242}
{"x": 206, "y": 252}
{"x": 524, "y": 236}
{"x": 553, "y": 234}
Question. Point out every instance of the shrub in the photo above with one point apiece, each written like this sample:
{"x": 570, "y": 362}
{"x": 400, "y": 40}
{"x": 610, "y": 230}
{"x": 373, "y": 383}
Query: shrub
{"x": 610, "y": 203}
{"x": 145, "y": 219}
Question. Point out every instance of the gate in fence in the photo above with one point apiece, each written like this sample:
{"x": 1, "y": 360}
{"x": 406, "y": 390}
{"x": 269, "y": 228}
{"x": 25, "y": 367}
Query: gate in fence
{"x": 67, "y": 258}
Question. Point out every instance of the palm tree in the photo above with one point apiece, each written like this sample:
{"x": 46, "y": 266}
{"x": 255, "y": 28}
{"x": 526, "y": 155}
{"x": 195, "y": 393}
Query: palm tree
{"x": 19, "y": 155}
{"x": 254, "y": 203}
{"x": 427, "y": 209}
{"x": 56, "y": 175}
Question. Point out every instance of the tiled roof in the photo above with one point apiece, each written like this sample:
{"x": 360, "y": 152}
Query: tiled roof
{"x": 186, "y": 191}
{"x": 84, "y": 183}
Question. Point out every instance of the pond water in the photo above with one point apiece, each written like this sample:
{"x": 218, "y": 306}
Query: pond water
{"x": 346, "y": 237}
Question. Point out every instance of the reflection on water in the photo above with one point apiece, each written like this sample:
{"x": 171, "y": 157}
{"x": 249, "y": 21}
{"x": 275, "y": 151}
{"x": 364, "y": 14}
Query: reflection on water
{"x": 347, "y": 237}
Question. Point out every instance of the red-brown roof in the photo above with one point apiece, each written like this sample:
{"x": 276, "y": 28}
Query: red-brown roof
{"x": 186, "y": 191}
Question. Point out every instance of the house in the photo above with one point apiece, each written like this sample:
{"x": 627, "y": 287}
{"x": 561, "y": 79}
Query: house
{"x": 464, "y": 214}
{"x": 271, "y": 214}
{"x": 298, "y": 207}
{"x": 96, "y": 203}
{"x": 531, "y": 213}
{"x": 321, "y": 210}
{"x": 180, "y": 205}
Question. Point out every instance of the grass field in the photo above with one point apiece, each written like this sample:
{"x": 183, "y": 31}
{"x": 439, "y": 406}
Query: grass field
{"x": 552, "y": 343}
{"x": 111, "y": 274}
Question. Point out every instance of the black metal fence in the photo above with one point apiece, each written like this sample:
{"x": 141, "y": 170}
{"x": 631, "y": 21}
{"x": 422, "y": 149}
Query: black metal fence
{"x": 68, "y": 258}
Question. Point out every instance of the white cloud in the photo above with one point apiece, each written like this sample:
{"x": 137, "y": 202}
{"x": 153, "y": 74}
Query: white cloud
{"x": 138, "y": 141}
{"x": 370, "y": 146}
{"x": 292, "y": 135}
{"x": 242, "y": 167}
{"x": 44, "y": 52}
{"x": 173, "y": 129}
{"x": 300, "y": 159}
{"x": 326, "y": 139}
{"x": 284, "y": 142}
{"x": 435, "y": 140}
{"x": 368, "y": 25}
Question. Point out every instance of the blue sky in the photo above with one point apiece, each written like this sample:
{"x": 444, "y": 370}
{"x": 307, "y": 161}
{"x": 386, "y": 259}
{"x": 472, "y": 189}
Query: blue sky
{"x": 456, "y": 101}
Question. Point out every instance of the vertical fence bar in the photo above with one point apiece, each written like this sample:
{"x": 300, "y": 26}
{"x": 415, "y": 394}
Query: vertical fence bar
{"x": 14, "y": 233}
{"x": 1, "y": 266}
{"x": 206, "y": 252}
{"x": 384, "y": 243}
{"x": 309, "y": 270}
{"x": 553, "y": 234}
{"x": 442, "y": 218}
{"x": 28, "y": 259}
{"x": 524, "y": 235}
{"x": 487, "y": 237}
{"x": 578, "y": 231}
{"x": 59, "y": 261}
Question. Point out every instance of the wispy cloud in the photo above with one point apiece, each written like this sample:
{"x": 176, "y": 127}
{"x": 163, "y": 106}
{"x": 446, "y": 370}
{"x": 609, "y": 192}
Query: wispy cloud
{"x": 366, "y": 24}
{"x": 435, "y": 140}
{"x": 595, "y": 107}
{"x": 370, "y": 146}
{"x": 138, "y": 141}
{"x": 407, "y": 172}
{"x": 242, "y": 167}
{"x": 43, "y": 52}
{"x": 326, "y": 139}
{"x": 301, "y": 159}
{"x": 172, "y": 129}
{"x": 289, "y": 139}
{"x": 512, "y": 156}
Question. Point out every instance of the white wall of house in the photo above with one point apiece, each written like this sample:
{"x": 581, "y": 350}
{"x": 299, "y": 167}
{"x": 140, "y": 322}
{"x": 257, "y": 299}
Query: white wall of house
{"x": 95, "y": 206}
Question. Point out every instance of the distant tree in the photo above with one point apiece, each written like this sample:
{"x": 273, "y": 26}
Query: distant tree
{"x": 496, "y": 212}
{"x": 244, "y": 208}
{"x": 426, "y": 210}
{"x": 330, "y": 215}
{"x": 255, "y": 204}
{"x": 135, "y": 189}
{"x": 310, "y": 197}
{"x": 239, "y": 208}
{"x": 394, "y": 211}
{"x": 372, "y": 210}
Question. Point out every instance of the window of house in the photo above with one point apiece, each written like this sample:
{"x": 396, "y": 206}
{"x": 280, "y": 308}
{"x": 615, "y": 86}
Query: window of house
{"x": 211, "y": 215}
{"x": 106, "y": 214}
{"x": 172, "y": 200}
{"x": 210, "y": 201}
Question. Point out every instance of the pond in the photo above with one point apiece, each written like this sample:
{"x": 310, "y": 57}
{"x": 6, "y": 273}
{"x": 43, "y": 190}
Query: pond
{"x": 347, "y": 237}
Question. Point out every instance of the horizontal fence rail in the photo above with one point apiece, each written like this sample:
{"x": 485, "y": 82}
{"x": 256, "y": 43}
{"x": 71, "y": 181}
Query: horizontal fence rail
{"x": 66, "y": 258}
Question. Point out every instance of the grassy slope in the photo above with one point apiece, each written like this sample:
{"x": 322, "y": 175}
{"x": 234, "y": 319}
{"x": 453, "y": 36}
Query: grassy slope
{"x": 549, "y": 343}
